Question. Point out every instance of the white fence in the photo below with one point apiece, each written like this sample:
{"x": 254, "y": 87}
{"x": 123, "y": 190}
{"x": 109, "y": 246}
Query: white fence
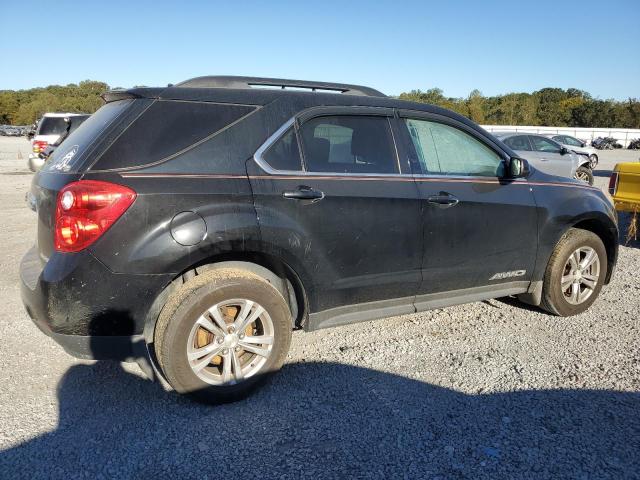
{"x": 623, "y": 135}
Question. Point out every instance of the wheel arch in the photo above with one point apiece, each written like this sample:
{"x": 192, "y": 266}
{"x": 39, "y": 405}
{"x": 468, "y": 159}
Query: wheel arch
{"x": 276, "y": 271}
{"x": 608, "y": 236}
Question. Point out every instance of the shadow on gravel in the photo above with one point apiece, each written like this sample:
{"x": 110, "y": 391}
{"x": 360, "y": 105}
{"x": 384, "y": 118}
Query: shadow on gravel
{"x": 329, "y": 421}
{"x": 602, "y": 173}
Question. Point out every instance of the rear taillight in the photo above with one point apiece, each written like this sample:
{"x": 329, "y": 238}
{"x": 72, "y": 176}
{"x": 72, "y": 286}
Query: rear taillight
{"x": 85, "y": 210}
{"x": 613, "y": 183}
{"x": 39, "y": 146}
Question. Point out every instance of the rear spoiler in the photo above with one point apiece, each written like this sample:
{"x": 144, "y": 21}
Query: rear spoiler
{"x": 115, "y": 95}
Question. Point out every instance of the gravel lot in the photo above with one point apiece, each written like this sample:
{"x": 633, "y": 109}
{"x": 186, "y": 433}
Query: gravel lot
{"x": 485, "y": 390}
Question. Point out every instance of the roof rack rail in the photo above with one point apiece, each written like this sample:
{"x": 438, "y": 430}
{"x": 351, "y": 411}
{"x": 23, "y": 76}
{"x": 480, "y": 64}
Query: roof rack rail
{"x": 284, "y": 84}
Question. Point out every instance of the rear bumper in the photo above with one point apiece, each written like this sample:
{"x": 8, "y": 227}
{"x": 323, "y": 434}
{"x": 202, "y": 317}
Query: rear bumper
{"x": 87, "y": 309}
{"x": 35, "y": 163}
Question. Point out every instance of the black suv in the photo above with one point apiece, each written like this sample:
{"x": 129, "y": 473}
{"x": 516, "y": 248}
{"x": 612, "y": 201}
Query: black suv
{"x": 198, "y": 224}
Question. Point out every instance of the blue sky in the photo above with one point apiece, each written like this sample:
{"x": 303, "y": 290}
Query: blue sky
{"x": 495, "y": 46}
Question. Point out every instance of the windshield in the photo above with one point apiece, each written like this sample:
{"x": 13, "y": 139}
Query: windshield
{"x": 68, "y": 155}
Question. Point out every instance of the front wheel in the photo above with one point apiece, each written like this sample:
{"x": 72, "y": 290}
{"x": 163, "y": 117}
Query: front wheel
{"x": 222, "y": 334}
{"x": 593, "y": 161}
{"x": 575, "y": 273}
{"x": 584, "y": 174}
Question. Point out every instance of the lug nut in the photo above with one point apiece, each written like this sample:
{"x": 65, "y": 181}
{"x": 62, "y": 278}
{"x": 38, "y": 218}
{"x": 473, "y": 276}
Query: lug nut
{"x": 237, "y": 349}
{"x": 225, "y": 351}
{"x": 241, "y": 336}
{"x": 221, "y": 340}
{"x": 232, "y": 329}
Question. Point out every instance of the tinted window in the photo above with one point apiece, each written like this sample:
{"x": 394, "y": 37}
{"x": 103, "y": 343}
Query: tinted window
{"x": 52, "y": 126}
{"x": 349, "y": 144}
{"x": 82, "y": 137}
{"x": 521, "y": 142}
{"x": 284, "y": 153}
{"x": 541, "y": 144}
{"x": 166, "y": 128}
{"x": 445, "y": 150}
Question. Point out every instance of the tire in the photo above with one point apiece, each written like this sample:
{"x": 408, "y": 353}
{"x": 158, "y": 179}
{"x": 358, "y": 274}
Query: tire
{"x": 593, "y": 161}
{"x": 177, "y": 335}
{"x": 584, "y": 174}
{"x": 555, "y": 299}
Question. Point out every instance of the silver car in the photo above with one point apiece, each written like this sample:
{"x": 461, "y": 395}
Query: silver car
{"x": 548, "y": 155}
{"x": 576, "y": 145}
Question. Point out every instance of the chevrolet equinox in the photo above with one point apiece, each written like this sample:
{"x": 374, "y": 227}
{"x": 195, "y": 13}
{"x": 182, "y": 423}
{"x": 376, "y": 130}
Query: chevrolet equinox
{"x": 197, "y": 225}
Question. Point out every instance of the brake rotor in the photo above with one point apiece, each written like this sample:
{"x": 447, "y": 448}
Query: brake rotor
{"x": 204, "y": 337}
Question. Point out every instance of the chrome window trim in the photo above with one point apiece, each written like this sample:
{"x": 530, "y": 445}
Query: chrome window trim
{"x": 258, "y": 157}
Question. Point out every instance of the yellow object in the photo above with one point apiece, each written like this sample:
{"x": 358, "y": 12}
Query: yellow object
{"x": 626, "y": 190}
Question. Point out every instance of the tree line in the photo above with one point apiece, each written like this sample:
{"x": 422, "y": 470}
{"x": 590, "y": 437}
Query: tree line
{"x": 23, "y": 107}
{"x": 546, "y": 107}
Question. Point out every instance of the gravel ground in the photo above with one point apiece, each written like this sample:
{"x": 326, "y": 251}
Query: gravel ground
{"x": 485, "y": 390}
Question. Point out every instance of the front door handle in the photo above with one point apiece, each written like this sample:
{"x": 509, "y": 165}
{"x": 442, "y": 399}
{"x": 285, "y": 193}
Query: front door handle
{"x": 303, "y": 193}
{"x": 443, "y": 200}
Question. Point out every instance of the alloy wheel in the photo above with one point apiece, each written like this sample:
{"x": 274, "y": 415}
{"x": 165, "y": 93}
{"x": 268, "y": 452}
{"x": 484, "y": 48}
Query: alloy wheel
{"x": 230, "y": 341}
{"x": 580, "y": 275}
{"x": 582, "y": 176}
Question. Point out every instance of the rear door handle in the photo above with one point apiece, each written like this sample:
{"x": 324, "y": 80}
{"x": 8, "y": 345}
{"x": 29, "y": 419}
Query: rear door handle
{"x": 443, "y": 200}
{"x": 303, "y": 193}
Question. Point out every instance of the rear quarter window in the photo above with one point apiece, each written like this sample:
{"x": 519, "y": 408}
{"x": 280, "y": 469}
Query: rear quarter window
{"x": 167, "y": 128}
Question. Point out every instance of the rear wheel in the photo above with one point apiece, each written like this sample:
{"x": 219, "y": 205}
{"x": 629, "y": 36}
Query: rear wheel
{"x": 222, "y": 334}
{"x": 575, "y": 273}
{"x": 584, "y": 175}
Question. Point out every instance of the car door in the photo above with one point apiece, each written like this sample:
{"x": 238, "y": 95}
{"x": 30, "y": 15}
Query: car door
{"x": 348, "y": 217}
{"x": 550, "y": 159}
{"x": 480, "y": 232}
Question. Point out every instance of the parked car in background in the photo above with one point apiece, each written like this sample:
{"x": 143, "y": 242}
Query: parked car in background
{"x": 548, "y": 155}
{"x": 197, "y": 225}
{"x": 606, "y": 143}
{"x": 12, "y": 132}
{"x": 634, "y": 144}
{"x": 624, "y": 186}
{"x": 72, "y": 123}
{"x": 578, "y": 146}
{"x": 48, "y": 131}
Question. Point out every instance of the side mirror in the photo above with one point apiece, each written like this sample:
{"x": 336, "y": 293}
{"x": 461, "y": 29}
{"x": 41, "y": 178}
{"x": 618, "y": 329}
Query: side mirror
{"x": 564, "y": 151}
{"x": 519, "y": 168}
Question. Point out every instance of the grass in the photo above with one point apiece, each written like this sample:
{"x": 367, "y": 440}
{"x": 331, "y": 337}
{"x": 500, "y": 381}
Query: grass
{"x": 632, "y": 230}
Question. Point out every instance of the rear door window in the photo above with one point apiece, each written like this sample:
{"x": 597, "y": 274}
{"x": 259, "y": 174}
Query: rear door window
{"x": 520, "y": 142}
{"x": 349, "y": 144}
{"x": 284, "y": 154}
{"x": 541, "y": 144}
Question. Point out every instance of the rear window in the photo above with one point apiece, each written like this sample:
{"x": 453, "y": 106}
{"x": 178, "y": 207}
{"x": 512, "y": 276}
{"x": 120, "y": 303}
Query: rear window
{"x": 167, "y": 128}
{"x": 67, "y": 156}
{"x": 52, "y": 126}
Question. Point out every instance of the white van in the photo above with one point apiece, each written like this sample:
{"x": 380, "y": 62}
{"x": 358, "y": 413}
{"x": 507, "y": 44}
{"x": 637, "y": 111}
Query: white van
{"x": 49, "y": 129}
